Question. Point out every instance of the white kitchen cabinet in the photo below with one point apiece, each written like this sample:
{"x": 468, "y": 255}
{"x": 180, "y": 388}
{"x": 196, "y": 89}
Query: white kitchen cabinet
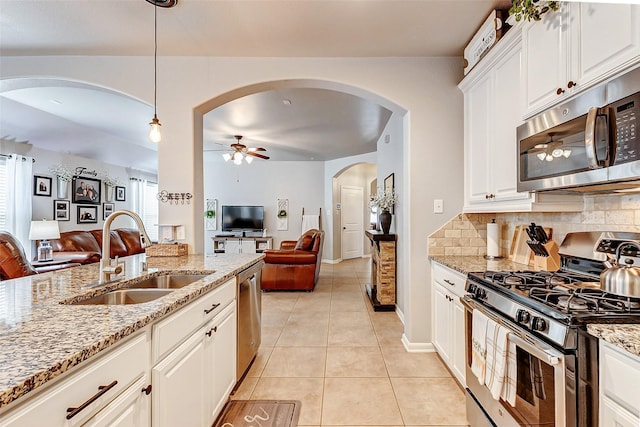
{"x": 131, "y": 408}
{"x": 619, "y": 373}
{"x": 192, "y": 383}
{"x": 105, "y": 386}
{"x": 576, "y": 48}
{"x": 448, "y": 319}
{"x": 241, "y": 245}
{"x": 493, "y": 109}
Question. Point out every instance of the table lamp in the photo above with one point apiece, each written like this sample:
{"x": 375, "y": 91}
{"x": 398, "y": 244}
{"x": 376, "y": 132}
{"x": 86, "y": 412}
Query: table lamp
{"x": 43, "y": 230}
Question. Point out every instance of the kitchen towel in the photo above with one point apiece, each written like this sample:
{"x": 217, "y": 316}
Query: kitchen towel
{"x": 511, "y": 377}
{"x": 479, "y": 345}
{"x": 493, "y": 240}
{"x": 496, "y": 360}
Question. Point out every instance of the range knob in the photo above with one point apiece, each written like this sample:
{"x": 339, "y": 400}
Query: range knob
{"x": 480, "y": 293}
{"x": 538, "y": 324}
{"x": 522, "y": 316}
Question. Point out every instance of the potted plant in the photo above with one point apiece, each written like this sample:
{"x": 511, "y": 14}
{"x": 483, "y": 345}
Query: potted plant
{"x": 63, "y": 175}
{"x": 282, "y": 213}
{"x": 384, "y": 201}
{"x": 531, "y": 9}
{"x": 210, "y": 214}
{"x": 110, "y": 184}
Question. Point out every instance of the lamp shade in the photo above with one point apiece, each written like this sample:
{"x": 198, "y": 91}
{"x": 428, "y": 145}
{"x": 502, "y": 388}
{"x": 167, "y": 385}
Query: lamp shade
{"x": 43, "y": 230}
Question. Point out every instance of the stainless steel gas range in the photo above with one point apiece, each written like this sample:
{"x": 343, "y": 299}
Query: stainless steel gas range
{"x": 554, "y": 362}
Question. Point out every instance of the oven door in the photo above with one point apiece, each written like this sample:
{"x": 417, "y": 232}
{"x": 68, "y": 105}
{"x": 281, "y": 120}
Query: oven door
{"x": 541, "y": 392}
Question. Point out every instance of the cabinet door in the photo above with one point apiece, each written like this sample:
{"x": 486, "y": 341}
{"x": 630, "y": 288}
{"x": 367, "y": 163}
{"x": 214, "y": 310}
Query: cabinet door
{"x": 130, "y": 409}
{"x": 477, "y": 134}
{"x": 507, "y": 116}
{"x": 609, "y": 39}
{"x": 221, "y": 350}
{"x": 458, "y": 365}
{"x": 612, "y": 415}
{"x": 248, "y": 246}
{"x": 546, "y": 59}
{"x": 442, "y": 324}
{"x": 232, "y": 246}
{"x": 179, "y": 386}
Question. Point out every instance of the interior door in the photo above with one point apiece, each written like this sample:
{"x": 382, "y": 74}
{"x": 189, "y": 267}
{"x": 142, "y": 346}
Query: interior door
{"x": 352, "y": 220}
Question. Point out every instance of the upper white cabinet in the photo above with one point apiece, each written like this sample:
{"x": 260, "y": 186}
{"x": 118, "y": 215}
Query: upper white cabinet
{"x": 575, "y": 48}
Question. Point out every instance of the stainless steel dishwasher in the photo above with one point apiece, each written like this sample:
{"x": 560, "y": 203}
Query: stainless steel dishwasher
{"x": 249, "y": 316}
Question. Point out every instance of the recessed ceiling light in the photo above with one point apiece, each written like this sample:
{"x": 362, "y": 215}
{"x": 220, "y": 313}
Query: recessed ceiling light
{"x": 55, "y": 101}
{"x": 286, "y": 101}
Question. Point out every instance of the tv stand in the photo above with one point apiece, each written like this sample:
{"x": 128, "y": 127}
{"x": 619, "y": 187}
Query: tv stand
{"x": 230, "y": 244}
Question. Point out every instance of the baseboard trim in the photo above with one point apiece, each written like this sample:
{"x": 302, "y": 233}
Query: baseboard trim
{"x": 400, "y": 314}
{"x": 332, "y": 261}
{"x": 417, "y": 347}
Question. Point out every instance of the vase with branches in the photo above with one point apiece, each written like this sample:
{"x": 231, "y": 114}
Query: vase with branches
{"x": 532, "y": 9}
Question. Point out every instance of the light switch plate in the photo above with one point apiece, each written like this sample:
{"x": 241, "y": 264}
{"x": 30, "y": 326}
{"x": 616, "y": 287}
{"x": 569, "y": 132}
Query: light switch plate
{"x": 438, "y": 206}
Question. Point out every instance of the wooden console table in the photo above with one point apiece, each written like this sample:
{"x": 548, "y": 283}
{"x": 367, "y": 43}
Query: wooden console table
{"x": 382, "y": 289}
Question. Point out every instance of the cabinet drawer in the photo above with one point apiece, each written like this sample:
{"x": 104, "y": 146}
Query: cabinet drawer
{"x": 123, "y": 365}
{"x": 449, "y": 279}
{"x": 619, "y": 377}
{"x": 170, "y": 332}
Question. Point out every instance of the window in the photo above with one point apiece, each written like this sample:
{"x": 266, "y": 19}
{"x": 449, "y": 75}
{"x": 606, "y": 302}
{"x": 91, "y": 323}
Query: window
{"x": 3, "y": 193}
{"x": 150, "y": 203}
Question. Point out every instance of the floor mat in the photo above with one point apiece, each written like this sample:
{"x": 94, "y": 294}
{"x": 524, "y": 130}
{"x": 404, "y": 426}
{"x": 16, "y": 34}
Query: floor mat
{"x": 260, "y": 413}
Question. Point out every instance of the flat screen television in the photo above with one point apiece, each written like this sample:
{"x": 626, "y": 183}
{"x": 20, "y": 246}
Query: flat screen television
{"x": 242, "y": 218}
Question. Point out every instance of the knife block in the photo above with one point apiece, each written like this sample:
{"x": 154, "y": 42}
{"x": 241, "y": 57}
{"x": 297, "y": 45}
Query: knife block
{"x": 548, "y": 263}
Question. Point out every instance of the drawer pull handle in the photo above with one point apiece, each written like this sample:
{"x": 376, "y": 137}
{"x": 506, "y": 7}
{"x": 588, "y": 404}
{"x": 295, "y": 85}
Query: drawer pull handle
{"x": 147, "y": 390}
{"x": 101, "y": 390}
{"x": 449, "y": 282}
{"x": 213, "y": 307}
{"x": 214, "y": 329}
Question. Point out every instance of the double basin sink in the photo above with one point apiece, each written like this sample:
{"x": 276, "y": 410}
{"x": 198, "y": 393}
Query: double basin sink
{"x": 138, "y": 291}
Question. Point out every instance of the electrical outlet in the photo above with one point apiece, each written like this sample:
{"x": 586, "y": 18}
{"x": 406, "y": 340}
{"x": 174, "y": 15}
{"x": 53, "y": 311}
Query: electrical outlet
{"x": 438, "y": 206}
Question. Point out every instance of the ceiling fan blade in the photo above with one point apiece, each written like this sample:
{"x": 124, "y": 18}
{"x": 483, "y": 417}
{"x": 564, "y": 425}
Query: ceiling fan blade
{"x": 254, "y": 149}
{"x": 261, "y": 156}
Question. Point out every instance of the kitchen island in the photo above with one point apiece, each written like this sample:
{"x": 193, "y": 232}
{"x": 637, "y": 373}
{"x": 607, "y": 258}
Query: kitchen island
{"x": 42, "y": 335}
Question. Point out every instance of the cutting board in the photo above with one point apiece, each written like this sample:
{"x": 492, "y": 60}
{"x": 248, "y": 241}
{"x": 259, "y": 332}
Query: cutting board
{"x": 520, "y": 251}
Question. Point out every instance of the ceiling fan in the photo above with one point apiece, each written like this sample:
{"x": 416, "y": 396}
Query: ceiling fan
{"x": 241, "y": 151}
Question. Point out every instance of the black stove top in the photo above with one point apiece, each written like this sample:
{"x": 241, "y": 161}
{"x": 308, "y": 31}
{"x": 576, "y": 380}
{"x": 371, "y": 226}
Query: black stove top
{"x": 567, "y": 296}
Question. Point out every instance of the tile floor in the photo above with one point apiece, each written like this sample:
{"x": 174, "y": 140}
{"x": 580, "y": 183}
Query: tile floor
{"x": 345, "y": 362}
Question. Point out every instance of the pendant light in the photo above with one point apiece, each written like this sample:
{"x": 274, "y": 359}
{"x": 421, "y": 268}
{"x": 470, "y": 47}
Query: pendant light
{"x": 154, "y": 126}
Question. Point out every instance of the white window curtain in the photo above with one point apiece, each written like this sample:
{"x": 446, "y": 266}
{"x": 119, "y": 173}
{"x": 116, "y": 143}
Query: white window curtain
{"x": 145, "y": 204}
{"x": 19, "y": 179}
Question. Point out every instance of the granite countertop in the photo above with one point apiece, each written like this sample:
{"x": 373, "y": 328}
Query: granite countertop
{"x": 40, "y": 338}
{"x": 468, "y": 264}
{"x": 624, "y": 336}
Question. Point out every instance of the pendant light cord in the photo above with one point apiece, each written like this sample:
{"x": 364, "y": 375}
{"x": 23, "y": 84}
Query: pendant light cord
{"x": 155, "y": 58}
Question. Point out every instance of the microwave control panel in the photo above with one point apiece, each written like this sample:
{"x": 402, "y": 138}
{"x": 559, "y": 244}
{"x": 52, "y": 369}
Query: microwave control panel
{"x": 627, "y": 113}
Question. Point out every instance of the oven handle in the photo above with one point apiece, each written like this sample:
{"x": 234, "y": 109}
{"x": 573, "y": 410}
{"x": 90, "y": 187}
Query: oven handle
{"x": 542, "y": 352}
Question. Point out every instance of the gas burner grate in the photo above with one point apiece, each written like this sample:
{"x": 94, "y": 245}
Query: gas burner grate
{"x": 585, "y": 300}
{"x": 524, "y": 280}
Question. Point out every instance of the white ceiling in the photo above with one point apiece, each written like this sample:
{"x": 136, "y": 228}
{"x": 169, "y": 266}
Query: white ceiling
{"x": 253, "y": 28}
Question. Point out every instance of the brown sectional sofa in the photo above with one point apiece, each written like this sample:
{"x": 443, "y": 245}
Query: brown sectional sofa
{"x": 85, "y": 247}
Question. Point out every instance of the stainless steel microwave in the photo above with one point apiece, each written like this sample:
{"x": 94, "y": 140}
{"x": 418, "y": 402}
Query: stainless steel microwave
{"x": 588, "y": 144}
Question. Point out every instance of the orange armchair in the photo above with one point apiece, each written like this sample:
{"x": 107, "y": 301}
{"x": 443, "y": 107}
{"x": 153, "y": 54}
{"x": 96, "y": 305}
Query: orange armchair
{"x": 296, "y": 265}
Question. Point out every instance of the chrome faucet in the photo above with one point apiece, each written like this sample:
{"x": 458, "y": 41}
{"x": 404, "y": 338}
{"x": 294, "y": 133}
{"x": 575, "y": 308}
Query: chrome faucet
{"x": 106, "y": 269}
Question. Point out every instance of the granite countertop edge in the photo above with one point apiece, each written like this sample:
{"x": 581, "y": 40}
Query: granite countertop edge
{"x": 626, "y": 337}
{"x": 17, "y": 379}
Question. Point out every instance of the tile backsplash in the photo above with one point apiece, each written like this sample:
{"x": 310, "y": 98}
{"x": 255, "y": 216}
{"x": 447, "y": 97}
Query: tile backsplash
{"x": 466, "y": 234}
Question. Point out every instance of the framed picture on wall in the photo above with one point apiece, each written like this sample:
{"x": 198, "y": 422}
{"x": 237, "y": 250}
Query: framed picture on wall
{"x": 87, "y": 214}
{"x": 388, "y": 188}
{"x": 121, "y": 193}
{"x": 61, "y": 210}
{"x": 107, "y": 209}
{"x": 86, "y": 190}
{"x": 42, "y": 186}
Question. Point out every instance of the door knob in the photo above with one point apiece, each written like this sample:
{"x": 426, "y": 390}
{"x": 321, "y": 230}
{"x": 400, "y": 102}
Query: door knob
{"x": 344, "y": 228}
{"x": 560, "y": 91}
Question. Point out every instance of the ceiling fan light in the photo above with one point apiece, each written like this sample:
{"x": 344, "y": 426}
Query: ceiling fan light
{"x": 154, "y": 130}
{"x": 541, "y": 156}
{"x": 566, "y": 153}
{"x": 557, "y": 152}
{"x": 226, "y": 157}
{"x": 237, "y": 157}
{"x": 237, "y": 160}
{"x": 549, "y": 158}
{"x": 249, "y": 159}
